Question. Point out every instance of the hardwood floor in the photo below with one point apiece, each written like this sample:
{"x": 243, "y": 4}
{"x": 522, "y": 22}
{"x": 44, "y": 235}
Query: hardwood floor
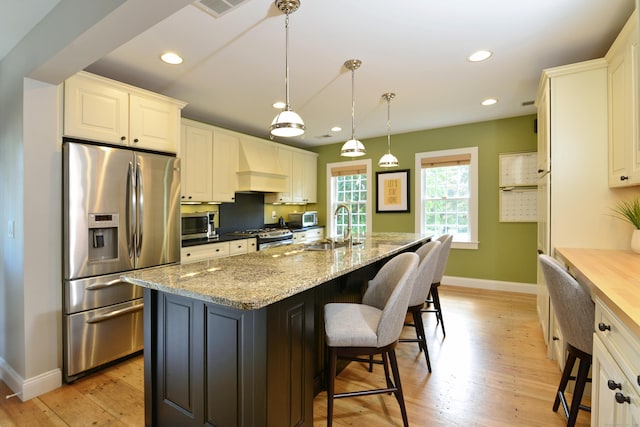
{"x": 490, "y": 370}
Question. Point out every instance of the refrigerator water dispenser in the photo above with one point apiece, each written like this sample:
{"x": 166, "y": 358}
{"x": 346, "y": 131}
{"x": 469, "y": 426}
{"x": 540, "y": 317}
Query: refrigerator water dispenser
{"x": 103, "y": 237}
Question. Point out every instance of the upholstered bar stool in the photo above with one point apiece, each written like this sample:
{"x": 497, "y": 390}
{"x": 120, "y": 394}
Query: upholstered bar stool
{"x": 445, "y": 240}
{"x": 575, "y": 313}
{"x": 372, "y": 327}
{"x": 428, "y": 253}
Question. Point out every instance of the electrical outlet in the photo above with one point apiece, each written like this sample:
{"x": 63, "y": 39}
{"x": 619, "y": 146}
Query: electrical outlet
{"x": 273, "y": 214}
{"x": 11, "y": 229}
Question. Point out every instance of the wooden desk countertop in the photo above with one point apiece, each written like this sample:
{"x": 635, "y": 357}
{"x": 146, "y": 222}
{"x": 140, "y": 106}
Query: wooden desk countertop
{"x": 612, "y": 275}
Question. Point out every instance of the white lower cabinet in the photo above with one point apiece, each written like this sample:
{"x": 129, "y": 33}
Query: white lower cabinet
{"x": 308, "y": 236}
{"x": 615, "y": 397}
{"x": 217, "y": 250}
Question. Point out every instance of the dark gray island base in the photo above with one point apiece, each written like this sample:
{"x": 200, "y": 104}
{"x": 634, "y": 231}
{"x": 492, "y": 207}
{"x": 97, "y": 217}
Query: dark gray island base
{"x": 239, "y": 341}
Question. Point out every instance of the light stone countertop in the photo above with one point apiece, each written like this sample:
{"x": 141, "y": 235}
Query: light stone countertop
{"x": 257, "y": 279}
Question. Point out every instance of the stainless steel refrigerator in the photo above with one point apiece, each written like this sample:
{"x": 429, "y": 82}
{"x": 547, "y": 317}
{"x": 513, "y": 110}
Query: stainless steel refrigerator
{"x": 121, "y": 211}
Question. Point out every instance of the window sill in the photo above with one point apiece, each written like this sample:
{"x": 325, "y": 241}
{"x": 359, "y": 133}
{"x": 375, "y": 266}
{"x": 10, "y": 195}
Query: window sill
{"x": 465, "y": 245}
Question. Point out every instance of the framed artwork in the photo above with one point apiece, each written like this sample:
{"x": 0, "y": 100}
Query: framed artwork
{"x": 393, "y": 191}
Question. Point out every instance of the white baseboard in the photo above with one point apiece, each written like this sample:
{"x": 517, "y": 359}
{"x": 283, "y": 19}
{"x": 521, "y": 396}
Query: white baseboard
{"x": 31, "y": 387}
{"x": 494, "y": 285}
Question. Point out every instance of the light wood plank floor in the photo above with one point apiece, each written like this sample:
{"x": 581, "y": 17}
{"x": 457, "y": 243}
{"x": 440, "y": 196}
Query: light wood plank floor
{"x": 490, "y": 370}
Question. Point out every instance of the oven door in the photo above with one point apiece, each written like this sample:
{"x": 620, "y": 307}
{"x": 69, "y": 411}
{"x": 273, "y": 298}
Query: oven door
{"x": 273, "y": 243}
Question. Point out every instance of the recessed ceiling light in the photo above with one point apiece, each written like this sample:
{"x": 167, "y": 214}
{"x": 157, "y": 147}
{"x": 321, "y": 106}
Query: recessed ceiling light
{"x": 336, "y": 129}
{"x": 480, "y": 55}
{"x": 171, "y": 58}
{"x": 279, "y": 105}
{"x": 489, "y": 101}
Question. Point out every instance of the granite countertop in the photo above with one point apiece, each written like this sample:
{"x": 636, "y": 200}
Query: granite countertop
{"x": 257, "y": 279}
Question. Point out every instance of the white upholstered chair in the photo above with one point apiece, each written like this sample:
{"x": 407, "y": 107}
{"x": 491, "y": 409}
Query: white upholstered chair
{"x": 575, "y": 314}
{"x": 372, "y": 327}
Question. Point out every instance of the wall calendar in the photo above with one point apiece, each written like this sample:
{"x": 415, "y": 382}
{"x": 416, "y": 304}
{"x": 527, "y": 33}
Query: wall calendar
{"x": 518, "y": 187}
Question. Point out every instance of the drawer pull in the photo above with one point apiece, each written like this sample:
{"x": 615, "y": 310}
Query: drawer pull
{"x": 638, "y": 379}
{"x": 621, "y": 398}
{"x": 604, "y": 327}
{"x": 555, "y": 338}
{"x": 614, "y": 385}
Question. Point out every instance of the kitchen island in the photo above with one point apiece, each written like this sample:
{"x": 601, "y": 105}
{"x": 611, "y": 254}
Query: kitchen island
{"x": 239, "y": 341}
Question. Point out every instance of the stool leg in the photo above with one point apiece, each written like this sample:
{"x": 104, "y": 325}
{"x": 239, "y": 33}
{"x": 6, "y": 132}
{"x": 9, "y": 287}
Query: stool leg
{"x": 566, "y": 374}
{"x": 398, "y": 392}
{"x": 581, "y": 379}
{"x": 331, "y": 377}
{"x": 436, "y": 303}
{"x": 422, "y": 343}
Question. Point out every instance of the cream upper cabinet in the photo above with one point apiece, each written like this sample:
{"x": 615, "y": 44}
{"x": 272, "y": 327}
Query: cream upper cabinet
{"x": 209, "y": 163}
{"x": 285, "y": 157}
{"x": 622, "y": 79}
{"x": 104, "y": 110}
{"x": 225, "y": 166}
{"x": 304, "y": 177}
{"x": 196, "y": 153}
{"x": 301, "y": 169}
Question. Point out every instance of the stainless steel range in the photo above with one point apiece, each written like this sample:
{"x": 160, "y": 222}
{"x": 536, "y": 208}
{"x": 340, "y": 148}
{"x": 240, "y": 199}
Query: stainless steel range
{"x": 268, "y": 237}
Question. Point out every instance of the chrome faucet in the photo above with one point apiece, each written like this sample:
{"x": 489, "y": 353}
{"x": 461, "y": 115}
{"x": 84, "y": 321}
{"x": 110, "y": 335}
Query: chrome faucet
{"x": 347, "y": 234}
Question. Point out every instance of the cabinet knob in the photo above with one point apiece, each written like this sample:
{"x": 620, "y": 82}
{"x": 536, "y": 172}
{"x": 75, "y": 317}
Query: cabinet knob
{"x": 602, "y": 327}
{"x": 555, "y": 338}
{"x": 540, "y": 170}
{"x": 188, "y": 253}
{"x": 623, "y": 178}
{"x": 614, "y": 385}
{"x": 621, "y": 398}
{"x": 135, "y": 140}
{"x": 638, "y": 379}
{"x": 123, "y": 138}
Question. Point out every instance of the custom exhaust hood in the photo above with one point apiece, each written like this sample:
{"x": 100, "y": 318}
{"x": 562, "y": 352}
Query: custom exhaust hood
{"x": 259, "y": 167}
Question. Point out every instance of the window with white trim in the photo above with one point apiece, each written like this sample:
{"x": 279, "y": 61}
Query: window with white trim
{"x": 447, "y": 193}
{"x": 349, "y": 184}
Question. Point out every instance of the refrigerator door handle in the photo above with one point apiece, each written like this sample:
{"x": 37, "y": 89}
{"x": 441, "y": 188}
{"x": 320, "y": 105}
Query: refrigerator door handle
{"x": 130, "y": 208}
{"x": 140, "y": 209}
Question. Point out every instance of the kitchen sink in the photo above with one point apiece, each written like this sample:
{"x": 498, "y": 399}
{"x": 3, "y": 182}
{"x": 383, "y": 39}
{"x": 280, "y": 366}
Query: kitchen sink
{"x": 326, "y": 246}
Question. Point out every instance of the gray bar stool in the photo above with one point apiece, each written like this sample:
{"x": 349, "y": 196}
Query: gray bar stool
{"x": 575, "y": 313}
{"x": 372, "y": 327}
{"x": 445, "y": 240}
{"x": 428, "y": 253}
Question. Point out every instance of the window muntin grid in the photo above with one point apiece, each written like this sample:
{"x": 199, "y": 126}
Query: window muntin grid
{"x": 446, "y": 201}
{"x": 350, "y": 190}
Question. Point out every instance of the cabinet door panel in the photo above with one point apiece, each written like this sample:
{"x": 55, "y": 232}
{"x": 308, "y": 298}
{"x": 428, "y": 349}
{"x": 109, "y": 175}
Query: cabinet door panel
{"x": 196, "y": 151}
{"x": 154, "y": 124}
{"x": 225, "y": 167}
{"x": 95, "y": 111}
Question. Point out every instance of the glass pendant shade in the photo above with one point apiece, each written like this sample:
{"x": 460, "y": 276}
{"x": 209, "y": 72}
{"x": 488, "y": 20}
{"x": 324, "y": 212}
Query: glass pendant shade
{"x": 388, "y": 160}
{"x": 352, "y": 148}
{"x": 287, "y": 124}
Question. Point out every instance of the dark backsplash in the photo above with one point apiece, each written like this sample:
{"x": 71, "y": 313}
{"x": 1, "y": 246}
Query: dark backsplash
{"x": 246, "y": 213}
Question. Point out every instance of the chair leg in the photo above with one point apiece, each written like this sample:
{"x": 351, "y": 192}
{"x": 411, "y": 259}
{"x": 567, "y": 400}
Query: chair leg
{"x": 438, "y": 309}
{"x": 566, "y": 375}
{"x": 398, "y": 391}
{"x": 331, "y": 377}
{"x": 581, "y": 380}
{"x": 422, "y": 340}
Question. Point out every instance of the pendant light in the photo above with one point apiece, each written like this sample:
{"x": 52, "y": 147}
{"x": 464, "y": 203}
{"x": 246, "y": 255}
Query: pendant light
{"x": 388, "y": 160}
{"x": 287, "y": 123}
{"x": 353, "y": 147}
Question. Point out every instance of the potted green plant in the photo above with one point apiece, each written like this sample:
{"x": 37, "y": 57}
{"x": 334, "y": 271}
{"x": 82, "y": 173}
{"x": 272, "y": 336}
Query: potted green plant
{"x": 629, "y": 210}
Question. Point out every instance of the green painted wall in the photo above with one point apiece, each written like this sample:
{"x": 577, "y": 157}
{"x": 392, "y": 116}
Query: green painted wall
{"x": 507, "y": 251}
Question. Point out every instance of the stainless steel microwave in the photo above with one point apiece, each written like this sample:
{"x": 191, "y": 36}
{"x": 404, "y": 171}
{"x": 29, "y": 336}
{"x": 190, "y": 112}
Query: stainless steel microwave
{"x": 198, "y": 225}
{"x": 303, "y": 219}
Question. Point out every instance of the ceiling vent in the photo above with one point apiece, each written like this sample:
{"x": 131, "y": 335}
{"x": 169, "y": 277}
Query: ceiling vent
{"x": 217, "y": 8}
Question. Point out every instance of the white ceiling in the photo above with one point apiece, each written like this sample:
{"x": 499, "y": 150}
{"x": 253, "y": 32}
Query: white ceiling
{"x": 233, "y": 68}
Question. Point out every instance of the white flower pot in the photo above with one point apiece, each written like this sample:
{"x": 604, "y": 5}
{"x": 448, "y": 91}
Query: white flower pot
{"x": 635, "y": 241}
